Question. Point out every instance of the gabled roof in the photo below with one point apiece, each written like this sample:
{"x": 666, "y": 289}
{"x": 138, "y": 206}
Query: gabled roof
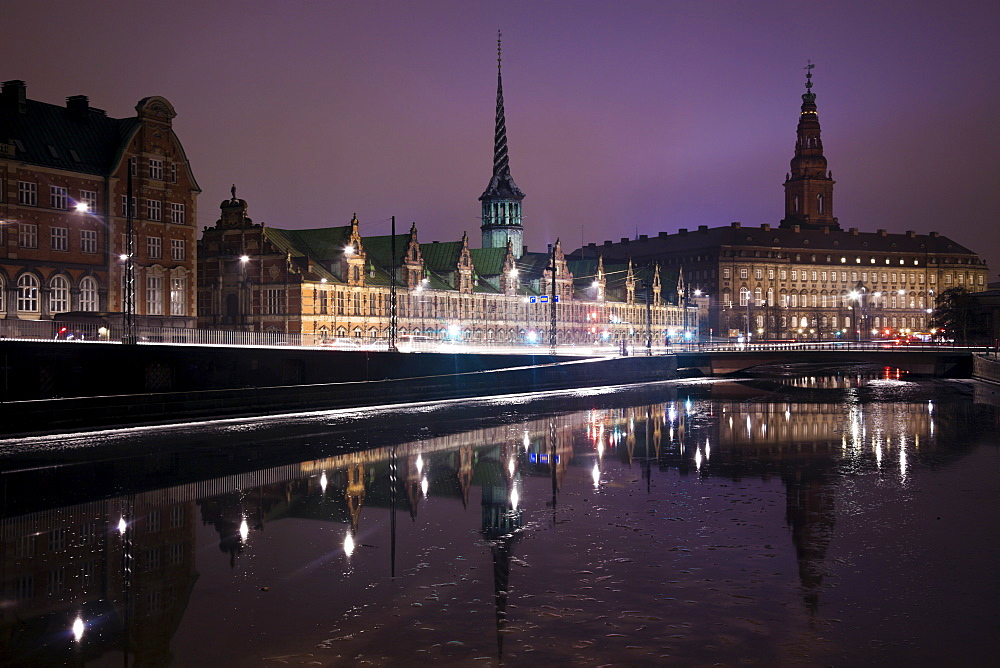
{"x": 488, "y": 261}
{"x": 441, "y": 256}
{"x": 379, "y": 249}
{"x": 323, "y": 244}
{"x": 89, "y": 144}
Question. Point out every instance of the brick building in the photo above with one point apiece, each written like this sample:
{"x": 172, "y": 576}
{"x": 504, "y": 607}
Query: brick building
{"x": 807, "y": 278}
{"x": 63, "y": 192}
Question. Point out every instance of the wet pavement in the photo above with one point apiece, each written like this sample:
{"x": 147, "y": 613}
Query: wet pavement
{"x": 796, "y": 517}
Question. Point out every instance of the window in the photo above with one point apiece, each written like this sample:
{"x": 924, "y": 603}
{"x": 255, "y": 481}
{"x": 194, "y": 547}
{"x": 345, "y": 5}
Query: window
{"x": 28, "y": 233}
{"x": 794, "y": 300}
{"x": 854, "y": 277}
{"x": 133, "y": 166}
{"x": 175, "y": 554}
{"x": 57, "y": 540}
{"x": 770, "y": 274}
{"x": 814, "y": 275}
{"x": 744, "y": 296}
{"x": 177, "y": 297}
{"x": 125, "y": 210}
{"x": 156, "y": 169}
{"x": 154, "y": 248}
{"x": 3, "y": 295}
{"x": 743, "y": 272}
{"x": 89, "y": 197}
{"x": 823, "y": 277}
{"x": 795, "y": 275}
{"x": 153, "y": 521}
{"x": 176, "y": 213}
{"x": 59, "y": 295}
{"x": 154, "y": 295}
{"x": 88, "y": 294}
{"x": 57, "y": 580}
{"x": 59, "y": 238}
{"x": 784, "y": 275}
{"x": 58, "y": 197}
{"x": 177, "y": 249}
{"x": 759, "y": 274}
{"x": 173, "y": 172}
{"x": 725, "y": 272}
{"x": 275, "y": 301}
{"x": 88, "y": 241}
{"x": 27, "y": 193}
{"x": 154, "y": 209}
{"x": 176, "y": 516}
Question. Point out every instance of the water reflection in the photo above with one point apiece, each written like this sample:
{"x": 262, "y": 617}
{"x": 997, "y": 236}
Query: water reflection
{"x": 119, "y": 574}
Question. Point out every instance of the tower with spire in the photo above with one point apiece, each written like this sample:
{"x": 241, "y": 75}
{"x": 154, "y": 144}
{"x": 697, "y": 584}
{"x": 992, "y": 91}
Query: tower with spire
{"x": 502, "y": 198}
{"x": 809, "y": 186}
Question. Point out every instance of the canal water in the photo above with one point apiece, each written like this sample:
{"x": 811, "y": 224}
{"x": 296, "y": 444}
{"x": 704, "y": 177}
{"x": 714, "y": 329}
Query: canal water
{"x": 800, "y": 517}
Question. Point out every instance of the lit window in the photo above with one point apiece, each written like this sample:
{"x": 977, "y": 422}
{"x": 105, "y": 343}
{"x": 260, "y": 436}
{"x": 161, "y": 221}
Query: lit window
{"x": 27, "y": 193}
{"x": 154, "y": 295}
{"x": 28, "y": 235}
{"x": 58, "y": 197}
{"x": 88, "y": 294}
{"x": 59, "y": 295}
{"x": 27, "y": 293}
{"x": 88, "y": 241}
{"x": 154, "y": 209}
{"x": 89, "y": 197}
{"x": 154, "y": 248}
{"x": 59, "y": 238}
{"x": 177, "y": 296}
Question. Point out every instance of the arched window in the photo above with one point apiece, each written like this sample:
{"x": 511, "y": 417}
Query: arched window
{"x": 3, "y": 296}
{"x": 744, "y": 296}
{"x": 88, "y": 294}
{"x": 758, "y": 297}
{"x": 795, "y": 204}
{"x": 323, "y": 333}
{"x": 27, "y": 293}
{"x": 59, "y": 295}
{"x": 819, "y": 202}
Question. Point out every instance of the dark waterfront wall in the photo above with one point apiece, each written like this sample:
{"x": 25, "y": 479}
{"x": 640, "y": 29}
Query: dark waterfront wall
{"x": 118, "y": 385}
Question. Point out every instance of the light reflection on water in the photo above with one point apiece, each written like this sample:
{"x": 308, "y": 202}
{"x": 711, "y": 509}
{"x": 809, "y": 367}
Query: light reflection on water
{"x": 726, "y": 522}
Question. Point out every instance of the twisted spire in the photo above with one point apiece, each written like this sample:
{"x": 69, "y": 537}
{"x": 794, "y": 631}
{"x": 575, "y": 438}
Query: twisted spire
{"x": 501, "y": 162}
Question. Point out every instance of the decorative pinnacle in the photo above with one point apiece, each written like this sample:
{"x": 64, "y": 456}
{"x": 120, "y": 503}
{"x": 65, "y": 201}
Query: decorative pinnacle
{"x": 233, "y": 190}
{"x": 808, "y": 68}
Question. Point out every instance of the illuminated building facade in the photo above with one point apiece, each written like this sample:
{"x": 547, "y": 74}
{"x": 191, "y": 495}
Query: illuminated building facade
{"x": 63, "y": 192}
{"x": 807, "y": 278}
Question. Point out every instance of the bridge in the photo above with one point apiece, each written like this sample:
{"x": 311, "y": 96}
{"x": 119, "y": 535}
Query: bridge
{"x": 936, "y": 361}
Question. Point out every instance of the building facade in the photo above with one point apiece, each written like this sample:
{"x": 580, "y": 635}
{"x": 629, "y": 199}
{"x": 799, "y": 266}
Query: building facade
{"x": 331, "y": 284}
{"x": 807, "y": 278}
{"x": 63, "y": 198}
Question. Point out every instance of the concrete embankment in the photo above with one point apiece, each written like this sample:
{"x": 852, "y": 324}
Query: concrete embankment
{"x": 204, "y": 383}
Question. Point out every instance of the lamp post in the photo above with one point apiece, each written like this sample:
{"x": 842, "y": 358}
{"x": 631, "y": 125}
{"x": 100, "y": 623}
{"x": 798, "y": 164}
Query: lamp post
{"x": 128, "y": 283}
{"x": 649, "y": 318}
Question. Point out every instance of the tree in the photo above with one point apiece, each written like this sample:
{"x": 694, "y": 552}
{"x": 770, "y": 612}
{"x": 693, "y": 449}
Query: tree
{"x": 957, "y": 313}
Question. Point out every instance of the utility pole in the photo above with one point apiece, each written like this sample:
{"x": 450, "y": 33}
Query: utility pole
{"x": 392, "y": 288}
{"x": 128, "y": 300}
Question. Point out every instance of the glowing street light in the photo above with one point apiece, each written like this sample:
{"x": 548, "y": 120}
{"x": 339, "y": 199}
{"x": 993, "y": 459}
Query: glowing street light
{"x": 78, "y": 629}
{"x": 81, "y": 207}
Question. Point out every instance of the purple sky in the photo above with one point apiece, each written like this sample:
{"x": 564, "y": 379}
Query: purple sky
{"x": 621, "y": 116}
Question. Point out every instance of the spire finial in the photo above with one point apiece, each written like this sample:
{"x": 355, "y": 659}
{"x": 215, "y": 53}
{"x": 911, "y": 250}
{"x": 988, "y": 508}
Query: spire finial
{"x": 499, "y": 45}
{"x": 233, "y": 190}
{"x": 808, "y": 68}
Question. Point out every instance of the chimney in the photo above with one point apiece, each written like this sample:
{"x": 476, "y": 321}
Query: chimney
{"x": 826, "y": 229}
{"x": 607, "y": 242}
{"x": 77, "y": 107}
{"x": 15, "y": 96}
{"x": 796, "y": 228}
{"x": 934, "y": 235}
{"x": 735, "y": 225}
{"x": 643, "y": 237}
{"x": 703, "y": 228}
{"x": 682, "y": 231}
{"x": 766, "y": 227}
{"x": 853, "y": 231}
{"x": 624, "y": 240}
{"x": 663, "y": 235}
{"x": 911, "y": 234}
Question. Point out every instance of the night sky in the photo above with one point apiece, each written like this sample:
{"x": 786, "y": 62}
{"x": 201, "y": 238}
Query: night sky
{"x": 622, "y": 117}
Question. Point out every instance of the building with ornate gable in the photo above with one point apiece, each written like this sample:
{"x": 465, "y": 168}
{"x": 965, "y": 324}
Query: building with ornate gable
{"x": 63, "y": 192}
{"x": 334, "y": 283}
